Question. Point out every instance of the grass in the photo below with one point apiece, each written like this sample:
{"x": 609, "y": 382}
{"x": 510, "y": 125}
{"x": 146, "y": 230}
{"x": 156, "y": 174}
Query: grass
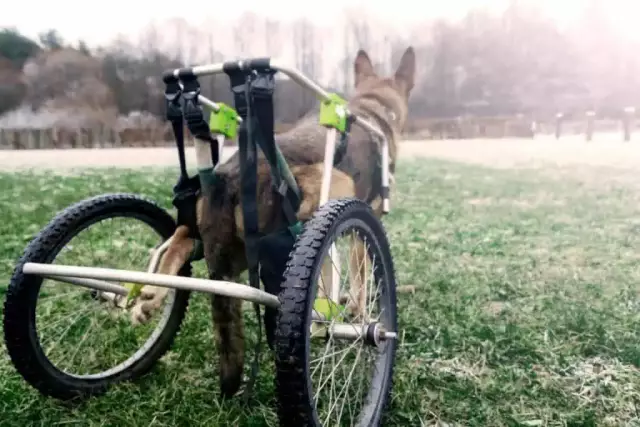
{"x": 526, "y": 310}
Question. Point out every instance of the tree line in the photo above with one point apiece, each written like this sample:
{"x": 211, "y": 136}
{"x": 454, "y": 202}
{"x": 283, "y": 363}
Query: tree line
{"x": 517, "y": 62}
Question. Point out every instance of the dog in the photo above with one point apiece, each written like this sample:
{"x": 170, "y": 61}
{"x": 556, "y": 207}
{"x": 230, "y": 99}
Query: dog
{"x": 382, "y": 100}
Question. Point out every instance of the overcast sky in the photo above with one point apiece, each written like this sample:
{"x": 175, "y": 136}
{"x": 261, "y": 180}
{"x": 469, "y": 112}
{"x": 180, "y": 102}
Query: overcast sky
{"x": 98, "y": 22}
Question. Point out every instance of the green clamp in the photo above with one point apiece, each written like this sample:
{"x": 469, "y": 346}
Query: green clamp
{"x": 224, "y": 121}
{"x": 333, "y": 113}
{"x": 328, "y": 309}
{"x": 135, "y": 289}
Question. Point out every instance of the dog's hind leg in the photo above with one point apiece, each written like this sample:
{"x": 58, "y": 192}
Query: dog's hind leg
{"x": 229, "y": 325}
{"x": 175, "y": 257}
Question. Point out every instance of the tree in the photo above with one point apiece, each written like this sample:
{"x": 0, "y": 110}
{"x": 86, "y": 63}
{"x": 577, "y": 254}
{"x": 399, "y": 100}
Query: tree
{"x": 244, "y": 31}
{"x": 307, "y": 60}
{"x": 272, "y": 38}
{"x": 83, "y": 48}
{"x": 16, "y": 47}
{"x": 66, "y": 79}
{"x": 136, "y": 80}
{"x": 51, "y": 40}
{"x": 12, "y": 88}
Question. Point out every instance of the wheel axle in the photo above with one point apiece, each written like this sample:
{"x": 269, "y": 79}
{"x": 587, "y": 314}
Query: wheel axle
{"x": 373, "y": 334}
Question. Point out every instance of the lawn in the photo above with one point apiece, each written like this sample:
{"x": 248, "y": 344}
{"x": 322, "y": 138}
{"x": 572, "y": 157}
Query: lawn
{"x": 525, "y": 312}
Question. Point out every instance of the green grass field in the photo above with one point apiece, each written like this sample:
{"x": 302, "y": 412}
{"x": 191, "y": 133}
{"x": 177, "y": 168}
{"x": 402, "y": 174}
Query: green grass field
{"x": 526, "y": 310}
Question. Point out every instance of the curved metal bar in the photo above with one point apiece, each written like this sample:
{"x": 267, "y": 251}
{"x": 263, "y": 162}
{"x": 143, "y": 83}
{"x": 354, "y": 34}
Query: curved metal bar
{"x": 297, "y": 76}
{"x": 304, "y": 81}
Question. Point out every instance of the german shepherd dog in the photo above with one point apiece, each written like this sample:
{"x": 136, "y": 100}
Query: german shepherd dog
{"x": 382, "y": 100}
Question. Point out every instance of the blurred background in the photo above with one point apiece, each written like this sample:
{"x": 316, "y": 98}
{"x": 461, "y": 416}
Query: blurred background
{"x": 76, "y": 74}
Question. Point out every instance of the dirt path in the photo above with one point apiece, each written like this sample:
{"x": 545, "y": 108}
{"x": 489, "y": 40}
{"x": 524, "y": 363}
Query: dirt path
{"x": 510, "y": 153}
{"x": 495, "y": 153}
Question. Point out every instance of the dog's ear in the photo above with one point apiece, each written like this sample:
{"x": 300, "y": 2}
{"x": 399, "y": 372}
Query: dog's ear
{"x": 405, "y": 74}
{"x": 363, "y": 67}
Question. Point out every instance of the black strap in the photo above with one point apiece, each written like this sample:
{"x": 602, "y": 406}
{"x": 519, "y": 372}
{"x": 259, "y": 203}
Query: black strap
{"x": 248, "y": 163}
{"x": 172, "y": 95}
{"x": 185, "y": 192}
{"x": 341, "y": 147}
{"x": 194, "y": 116}
{"x": 240, "y": 86}
{"x": 262, "y": 89}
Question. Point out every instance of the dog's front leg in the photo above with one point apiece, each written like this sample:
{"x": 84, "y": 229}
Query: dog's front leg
{"x": 358, "y": 258}
{"x": 174, "y": 258}
{"x": 309, "y": 178}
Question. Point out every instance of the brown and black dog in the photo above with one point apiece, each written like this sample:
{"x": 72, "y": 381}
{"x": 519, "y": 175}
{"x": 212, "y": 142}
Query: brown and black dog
{"x": 384, "y": 101}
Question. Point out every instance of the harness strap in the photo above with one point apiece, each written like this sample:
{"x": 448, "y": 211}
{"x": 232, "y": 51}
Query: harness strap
{"x": 371, "y": 110}
{"x": 262, "y": 89}
{"x": 240, "y": 87}
{"x": 172, "y": 95}
{"x": 194, "y": 116}
{"x": 341, "y": 146}
{"x": 185, "y": 192}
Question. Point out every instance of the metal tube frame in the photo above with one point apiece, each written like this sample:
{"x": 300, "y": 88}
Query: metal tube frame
{"x": 96, "y": 278}
{"x": 99, "y": 278}
{"x": 307, "y": 83}
{"x": 203, "y": 154}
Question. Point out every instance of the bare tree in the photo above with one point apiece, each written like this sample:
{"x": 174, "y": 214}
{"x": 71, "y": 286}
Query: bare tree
{"x": 149, "y": 41}
{"x": 307, "y": 58}
{"x": 347, "y": 74}
{"x": 68, "y": 80}
{"x": 272, "y": 38}
{"x": 185, "y": 41}
{"x": 244, "y": 33}
{"x": 356, "y": 34}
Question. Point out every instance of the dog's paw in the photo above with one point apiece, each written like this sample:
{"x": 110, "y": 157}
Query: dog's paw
{"x": 356, "y": 312}
{"x": 141, "y": 312}
{"x": 148, "y": 292}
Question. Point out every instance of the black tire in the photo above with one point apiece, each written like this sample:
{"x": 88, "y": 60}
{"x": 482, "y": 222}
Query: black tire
{"x": 293, "y": 377}
{"x": 20, "y": 333}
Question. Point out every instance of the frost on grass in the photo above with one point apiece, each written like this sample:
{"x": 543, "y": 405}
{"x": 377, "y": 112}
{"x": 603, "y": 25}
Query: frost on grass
{"x": 525, "y": 201}
{"x": 599, "y": 378}
{"x": 460, "y": 368}
{"x": 597, "y": 381}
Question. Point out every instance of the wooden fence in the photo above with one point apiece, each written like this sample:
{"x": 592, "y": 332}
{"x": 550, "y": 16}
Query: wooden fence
{"x": 586, "y": 124}
{"x": 58, "y": 138}
{"x": 455, "y": 128}
{"x": 29, "y": 139}
{"x": 470, "y": 127}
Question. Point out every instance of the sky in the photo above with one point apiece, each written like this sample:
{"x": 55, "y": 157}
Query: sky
{"x": 99, "y": 22}
{"x": 31, "y": 16}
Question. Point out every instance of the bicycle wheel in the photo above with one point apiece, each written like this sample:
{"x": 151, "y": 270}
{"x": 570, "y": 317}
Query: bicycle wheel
{"x": 63, "y": 340}
{"x": 320, "y": 378}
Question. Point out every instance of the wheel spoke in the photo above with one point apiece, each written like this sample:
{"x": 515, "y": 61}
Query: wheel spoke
{"x": 89, "y": 335}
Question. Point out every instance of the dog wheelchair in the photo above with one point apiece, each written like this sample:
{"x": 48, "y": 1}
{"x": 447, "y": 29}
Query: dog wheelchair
{"x": 319, "y": 340}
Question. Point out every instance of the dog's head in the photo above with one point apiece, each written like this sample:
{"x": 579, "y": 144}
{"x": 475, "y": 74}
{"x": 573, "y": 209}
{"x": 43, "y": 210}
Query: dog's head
{"x": 392, "y": 91}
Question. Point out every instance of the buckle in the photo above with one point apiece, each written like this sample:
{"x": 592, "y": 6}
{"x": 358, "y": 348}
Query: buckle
{"x": 172, "y": 95}
{"x": 263, "y": 84}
